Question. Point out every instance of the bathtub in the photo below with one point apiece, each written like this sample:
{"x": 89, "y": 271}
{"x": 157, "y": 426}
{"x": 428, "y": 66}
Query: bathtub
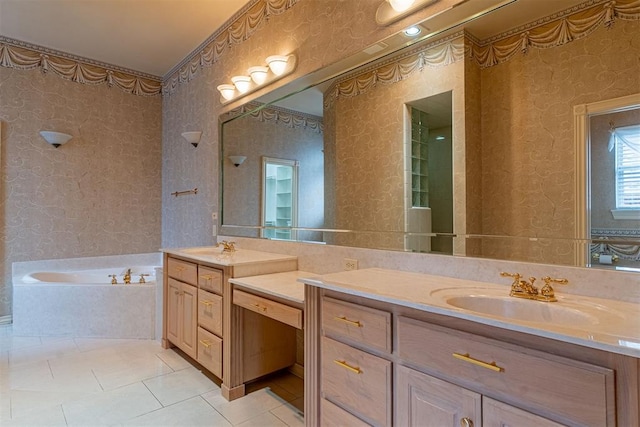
{"x": 75, "y": 297}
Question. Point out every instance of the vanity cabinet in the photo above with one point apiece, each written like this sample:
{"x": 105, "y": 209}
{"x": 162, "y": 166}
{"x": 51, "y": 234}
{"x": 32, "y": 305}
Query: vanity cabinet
{"x": 182, "y": 311}
{"x": 384, "y": 364}
{"x": 202, "y": 321}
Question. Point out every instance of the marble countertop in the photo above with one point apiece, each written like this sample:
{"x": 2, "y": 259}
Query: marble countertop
{"x": 282, "y": 285}
{"x": 214, "y": 255}
{"x": 603, "y": 324}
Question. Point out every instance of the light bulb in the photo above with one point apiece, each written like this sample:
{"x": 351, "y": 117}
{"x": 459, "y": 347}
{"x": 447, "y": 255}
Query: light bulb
{"x": 277, "y": 64}
{"x": 241, "y": 83}
{"x": 401, "y": 5}
{"x": 258, "y": 74}
{"x": 227, "y": 91}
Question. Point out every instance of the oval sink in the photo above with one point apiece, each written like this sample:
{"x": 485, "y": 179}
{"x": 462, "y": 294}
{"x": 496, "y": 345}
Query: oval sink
{"x": 522, "y": 309}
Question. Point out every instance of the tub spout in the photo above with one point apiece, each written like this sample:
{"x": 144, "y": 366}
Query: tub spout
{"x": 127, "y": 277}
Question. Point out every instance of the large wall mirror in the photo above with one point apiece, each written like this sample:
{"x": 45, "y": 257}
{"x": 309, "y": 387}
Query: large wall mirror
{"x": 460, "y": 142}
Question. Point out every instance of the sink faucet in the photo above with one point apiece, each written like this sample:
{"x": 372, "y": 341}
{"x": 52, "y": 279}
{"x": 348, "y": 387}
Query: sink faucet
{"x": 127, "y": 277}
{"x": 522, "y": 289}
{"x": 227, "y": 246}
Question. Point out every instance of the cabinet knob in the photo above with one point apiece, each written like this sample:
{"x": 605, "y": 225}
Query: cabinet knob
{"x": 466, "y": 422}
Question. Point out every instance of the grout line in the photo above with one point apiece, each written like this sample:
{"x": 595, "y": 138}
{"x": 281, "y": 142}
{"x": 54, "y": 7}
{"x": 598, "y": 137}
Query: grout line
{"x": 64, "y": 415}
{"x": 97, "y": 380}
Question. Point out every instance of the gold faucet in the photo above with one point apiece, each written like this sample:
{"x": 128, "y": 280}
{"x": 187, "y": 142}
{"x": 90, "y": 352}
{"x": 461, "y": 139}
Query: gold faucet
{"x": 227, "y": 246}
{"x": 142, "y": 278}
{"x": 114, "y": 279}
{"x": 127, "y": 277}
{"x": 523, "y": 289}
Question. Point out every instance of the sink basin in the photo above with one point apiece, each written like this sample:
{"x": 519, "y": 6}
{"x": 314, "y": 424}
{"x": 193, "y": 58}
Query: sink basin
{"x": 568, "y": 311}
{"x": 521, "y": 309}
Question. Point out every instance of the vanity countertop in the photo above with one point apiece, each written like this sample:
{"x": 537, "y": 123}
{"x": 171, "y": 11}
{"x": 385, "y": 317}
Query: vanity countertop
{"x": 283, "y": 285}
{"x": 611, "y": 325}
{"x": 214, "y": 255}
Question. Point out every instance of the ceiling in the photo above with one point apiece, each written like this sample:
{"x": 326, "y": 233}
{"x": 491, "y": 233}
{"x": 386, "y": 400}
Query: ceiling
{"x": 149, "y": 36}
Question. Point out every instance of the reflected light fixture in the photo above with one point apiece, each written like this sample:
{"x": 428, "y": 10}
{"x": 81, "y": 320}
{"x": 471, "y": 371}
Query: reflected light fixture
{"x": 55, "y": 138}
{"x": 391, "y": 11}
{"x": 412, "y": 31}
{"x": 277, "y": 64}
{"x": 227, "y": 91}
{"x": 192, "y": 137}
{"x": 401, "y": 5}
{"x": 237, "y": 160}
{"x": 242, "y": 83}
{"x": 258, "y": 74}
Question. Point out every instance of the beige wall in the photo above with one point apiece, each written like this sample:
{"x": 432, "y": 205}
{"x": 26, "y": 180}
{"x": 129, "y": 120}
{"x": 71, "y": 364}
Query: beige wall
{"x": 97, "y": 195}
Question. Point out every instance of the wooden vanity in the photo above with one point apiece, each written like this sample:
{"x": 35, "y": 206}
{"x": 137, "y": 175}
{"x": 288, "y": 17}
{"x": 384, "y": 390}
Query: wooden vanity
{"x": 228, "y": 332}
{"x": 375, "y": 357}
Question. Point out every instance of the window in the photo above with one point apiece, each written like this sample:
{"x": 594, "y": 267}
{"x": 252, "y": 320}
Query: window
{"x": 627, "y": 146}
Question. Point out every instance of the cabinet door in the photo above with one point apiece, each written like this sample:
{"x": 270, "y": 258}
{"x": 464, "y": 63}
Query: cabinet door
{"x": 426, "y": 401}
{"x": 498, "y": 414}
{"x": 173, "y": 316}
{"x": 189, "y": 320}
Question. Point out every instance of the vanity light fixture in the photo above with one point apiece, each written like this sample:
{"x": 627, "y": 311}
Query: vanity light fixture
{"x": 242, "y": 83}
{"x": 192, "y": 137}
{"x": 277, "y": 64}
{"x": 391, "y": 11}
{"x": 237, "y": 160}
{"x": 55, "y": 138}
{"x": 260, "y": 75}
{"x": 227, "y": 91}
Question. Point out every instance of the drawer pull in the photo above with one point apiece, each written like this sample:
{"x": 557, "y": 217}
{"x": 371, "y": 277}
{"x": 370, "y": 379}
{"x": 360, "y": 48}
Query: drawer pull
{"x": 205, "y": 343}
{"x": 466, "y": 422}
{"x": 207, "y": 277}
{"x": 260, "y": 307}
{"x": 350, "y": 322}
{"x": 469, "y": 359}
{"x": 207, "y": 303}
{"x": 345, "y": 365}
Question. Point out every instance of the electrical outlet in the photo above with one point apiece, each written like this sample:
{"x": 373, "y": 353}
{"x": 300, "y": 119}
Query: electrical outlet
{"x": 349, "y": 264}
{"x": 214, "y": 215}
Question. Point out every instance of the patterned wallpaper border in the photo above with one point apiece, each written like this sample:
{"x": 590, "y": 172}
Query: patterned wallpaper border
{"x": 272, "y": 113}
{"x": 239, "y": 28}
{"x": 553, "y": 31}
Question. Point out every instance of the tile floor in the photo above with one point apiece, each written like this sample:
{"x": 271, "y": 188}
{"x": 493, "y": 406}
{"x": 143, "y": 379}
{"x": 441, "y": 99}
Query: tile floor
{"x": 64, "y": 381}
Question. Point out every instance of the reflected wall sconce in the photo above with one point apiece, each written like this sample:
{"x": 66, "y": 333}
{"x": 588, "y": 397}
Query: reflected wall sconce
{"x": 237, "y": 160}
{"x": 55, "y": 138}
{"x": 258, "y": 76}
{"x": 192, "y": 137}
{"x": 391, "y": 11}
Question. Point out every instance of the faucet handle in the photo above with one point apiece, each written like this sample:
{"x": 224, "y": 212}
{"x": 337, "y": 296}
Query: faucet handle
{"x": 142, "y": 278}
{"x": 114, "y": 279}
{"x": 516, "y": 276}
{"x": 547, "y": 291}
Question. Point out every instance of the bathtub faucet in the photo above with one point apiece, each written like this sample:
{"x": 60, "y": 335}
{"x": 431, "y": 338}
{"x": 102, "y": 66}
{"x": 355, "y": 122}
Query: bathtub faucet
{"x": 127, "y": 277}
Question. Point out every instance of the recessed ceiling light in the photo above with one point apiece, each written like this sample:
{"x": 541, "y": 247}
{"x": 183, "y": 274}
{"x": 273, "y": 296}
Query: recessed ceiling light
{"x": 412, "y": 31}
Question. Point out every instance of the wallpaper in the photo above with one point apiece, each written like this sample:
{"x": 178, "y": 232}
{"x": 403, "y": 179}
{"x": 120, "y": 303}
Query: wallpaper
{"x": 99, "y": 194}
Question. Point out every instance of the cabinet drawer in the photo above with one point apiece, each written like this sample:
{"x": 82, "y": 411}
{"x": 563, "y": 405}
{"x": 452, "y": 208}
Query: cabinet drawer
{"x": 210, "y": 352}
{"x": 280, "y": 312}
{"x": 364, "y": 325}
{"x": 334, "y": 416}
{"x": 576, "y": 392}
{"x": 210, "y": 311}
{"x": 210, "y": 279}
{"x": 182, "y": 270}
{"x": 357, "y": 380}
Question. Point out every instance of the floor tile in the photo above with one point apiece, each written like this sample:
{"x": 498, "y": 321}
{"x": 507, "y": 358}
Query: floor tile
{"x": 111, "y": 407}
{"x": 50, "y": 417}
{"x": 120, "y": 373}
{"x": 174, "y": 360}
{"x": 245, "y": 408}
{"x": 289, "y": 414}
{"x": 42, "y": 352}
{"x": 193, "y": 412}
{"x": 25, "y": 375}
{"x": 9, "y": 342}
{"x": 180, "y": 385}
{"x": 23, "y": 402}
{"x": 263, "y": 420}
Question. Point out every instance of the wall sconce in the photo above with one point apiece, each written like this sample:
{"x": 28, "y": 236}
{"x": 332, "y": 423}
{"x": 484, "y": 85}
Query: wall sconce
{"x": 277, "y": 67}
{"x": 393, "y": 10}
{"x": 237, "y": 160}
{"x": 192, "y": 137}
{"x": 55, "y": 138}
